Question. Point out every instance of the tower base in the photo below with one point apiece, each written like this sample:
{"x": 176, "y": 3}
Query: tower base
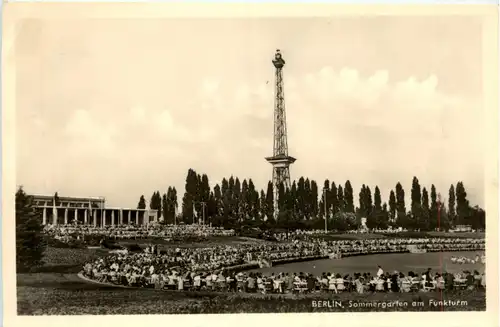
{"x": 281, "y": 176}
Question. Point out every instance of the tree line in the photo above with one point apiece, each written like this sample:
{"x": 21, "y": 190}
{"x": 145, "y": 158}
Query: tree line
{"x": 304, "y": 205}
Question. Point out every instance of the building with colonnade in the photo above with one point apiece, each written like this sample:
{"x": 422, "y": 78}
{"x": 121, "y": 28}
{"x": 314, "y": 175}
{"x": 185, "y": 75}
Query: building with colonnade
{"x": 64, "y": 210}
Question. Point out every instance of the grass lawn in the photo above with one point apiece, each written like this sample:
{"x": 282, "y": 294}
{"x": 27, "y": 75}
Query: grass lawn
{"x": 57, "y": 290}
{"x": 51, "y": 294}
{"x": 58, "y": 260}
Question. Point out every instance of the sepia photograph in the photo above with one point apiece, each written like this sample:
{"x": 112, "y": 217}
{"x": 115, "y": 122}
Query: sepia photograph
{"x": 216, "y": 165}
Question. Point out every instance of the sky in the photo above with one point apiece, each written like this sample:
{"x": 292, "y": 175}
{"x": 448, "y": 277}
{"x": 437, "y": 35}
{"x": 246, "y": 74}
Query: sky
{"x": 124, "y": 107}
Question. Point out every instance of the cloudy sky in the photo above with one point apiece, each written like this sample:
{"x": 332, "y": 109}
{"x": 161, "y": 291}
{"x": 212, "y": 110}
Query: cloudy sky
{"x": 120, "y": 108}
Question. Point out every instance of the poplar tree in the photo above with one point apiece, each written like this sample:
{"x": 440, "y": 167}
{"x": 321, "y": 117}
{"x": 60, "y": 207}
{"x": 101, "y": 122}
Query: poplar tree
{"x": 308, "y": 198}
{"x": 392, "y": 207}
{"x": 334, "y": 202}
{"x": 463, "y": 209}
{"x": 164, "y": 208}
{"x": 400, "y": 205}
{"x": 269, "y": 201}
{"x": 416, "y": 203}
{"x": 348, "y": 197}
{"x": 451, "y": 205}
{"x": 314, "y": 198}
{"x": 344, "y": 206}
{"x": 190, "y": 194}
{"x": 425, "y": 222}
{"x": 142, "y": 203}
{"x": 325, "y": 195}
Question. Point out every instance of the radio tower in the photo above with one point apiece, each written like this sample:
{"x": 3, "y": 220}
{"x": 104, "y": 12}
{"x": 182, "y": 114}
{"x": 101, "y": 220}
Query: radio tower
{"x": 280, "y": 160}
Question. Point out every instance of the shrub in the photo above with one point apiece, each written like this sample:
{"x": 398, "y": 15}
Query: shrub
{"x": 30, "y": 243}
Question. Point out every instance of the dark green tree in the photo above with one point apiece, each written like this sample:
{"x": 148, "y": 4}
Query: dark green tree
{"x": 308, "y": 207}
{"x": 204, "y": 190}
{"x": 333, "y": 199}
{"x": 292, "y": 200}
{"x": 368, "y": 201}
{"x": 325, "y": 196}
{"x": 237, "y": 200}
{"x": 365, "y": 203}
{"x": 400, "y": 206}
{"x": 362, "y": 202}
{"x": 168, "y": 205}
{"x": 376, "y": 218}
{"x": 30, "y": 244}
{"x": 253, "y": 201}
{"x": 175, "y": 204}
{"x": 245, "y": 204}
{"x": 451, "y": 205}
{"x": 425, "y": 222}
{"x": 478, "y": 218}
{"x": 348, "y": 197}
{"x": 383, "y": 221}
{"x": 189, "y": 198}
{"x": 392, "y": 207}
{"x": 463, "y": 208}
{"x": 314, "y": 198}
{"x": 433, "y": 213}
{"x": 155, "y": 203}
{"x": 211, "y": 208}
{"x": 345, "y": 221}
{"x": 263, "y": 205}
{"x": 443, "y": 222}
{"x": 301, "y": 199}
{"x": 164, "y": 208}
{"x": 342, "y": 201}
{"x": 226, "y": 201}
{"x": 142, "y": 203}
{"x": 416, "y": 204}
{"x": 269, "y": 201}
{"x": 218, "y": 200}
{"x": 281, "y": 198}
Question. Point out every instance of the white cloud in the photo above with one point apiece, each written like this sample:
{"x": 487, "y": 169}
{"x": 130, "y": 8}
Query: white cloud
{"x": 379, "y": 79}
{"x": 210, "y": 86}
{"x": 88, "y": 134}
{"x": 164, "y": 121}
{"x": 138, "y": 114}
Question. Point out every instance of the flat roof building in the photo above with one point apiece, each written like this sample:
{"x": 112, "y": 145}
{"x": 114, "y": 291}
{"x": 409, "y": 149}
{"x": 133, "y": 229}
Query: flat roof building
{"x": 65, "y": 210}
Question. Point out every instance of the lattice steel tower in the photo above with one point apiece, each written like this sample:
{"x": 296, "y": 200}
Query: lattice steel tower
{"x": 280, "y": 160}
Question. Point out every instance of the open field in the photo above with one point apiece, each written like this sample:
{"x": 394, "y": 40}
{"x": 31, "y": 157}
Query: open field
{"x": 58, "y": 291}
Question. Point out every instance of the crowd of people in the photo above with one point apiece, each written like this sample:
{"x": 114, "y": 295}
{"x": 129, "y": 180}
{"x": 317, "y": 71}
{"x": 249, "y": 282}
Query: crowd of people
{"x": 216, "y": 268}
{"x": 464, "y": 259}
{"x": 120, "y": 232}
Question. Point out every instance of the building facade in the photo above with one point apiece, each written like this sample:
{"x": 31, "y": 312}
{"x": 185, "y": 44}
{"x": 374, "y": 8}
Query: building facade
{"x": 65, "y": 210}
